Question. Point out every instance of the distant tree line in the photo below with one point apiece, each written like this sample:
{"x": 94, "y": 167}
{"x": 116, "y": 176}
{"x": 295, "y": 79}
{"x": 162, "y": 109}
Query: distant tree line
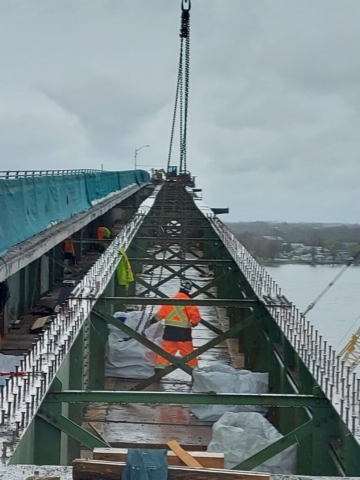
{"x": 333, "y": 238}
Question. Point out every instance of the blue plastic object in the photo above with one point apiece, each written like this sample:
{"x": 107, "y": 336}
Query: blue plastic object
{"x": 145, "y": 465}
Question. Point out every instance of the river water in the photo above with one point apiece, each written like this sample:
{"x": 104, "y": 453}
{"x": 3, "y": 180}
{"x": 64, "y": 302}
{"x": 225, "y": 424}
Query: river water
{"x": 337, "y": 315}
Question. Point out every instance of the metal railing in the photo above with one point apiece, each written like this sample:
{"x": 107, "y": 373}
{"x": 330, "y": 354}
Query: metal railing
{"x": 9, "y": 174}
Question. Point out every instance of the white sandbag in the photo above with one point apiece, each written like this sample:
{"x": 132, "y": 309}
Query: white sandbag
{"x": 127, "y": 358}
{"x": 240, "y": 435}
{"x": 225, "y": 379}
{"x": 8, "y": 364}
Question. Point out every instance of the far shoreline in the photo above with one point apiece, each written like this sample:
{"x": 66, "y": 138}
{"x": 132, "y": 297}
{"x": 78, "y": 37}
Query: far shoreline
{"x": 277, "y": 263}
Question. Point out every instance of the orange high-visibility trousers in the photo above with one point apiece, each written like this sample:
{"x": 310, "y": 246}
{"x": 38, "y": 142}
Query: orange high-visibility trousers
{"x": 185, "y": 348}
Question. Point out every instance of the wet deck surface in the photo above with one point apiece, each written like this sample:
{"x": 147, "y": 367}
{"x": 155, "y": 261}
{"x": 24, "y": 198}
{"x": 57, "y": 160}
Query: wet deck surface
{"x": 141, "y": 425}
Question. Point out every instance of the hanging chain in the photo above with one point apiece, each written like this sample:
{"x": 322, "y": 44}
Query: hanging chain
{"x": 179, "y": 82}
{"x": 182, "y": 87}
{"x": 186, "y": 87}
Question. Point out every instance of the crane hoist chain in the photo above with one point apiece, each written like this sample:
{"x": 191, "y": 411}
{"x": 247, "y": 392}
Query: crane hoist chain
{"x": 182, "y": 86}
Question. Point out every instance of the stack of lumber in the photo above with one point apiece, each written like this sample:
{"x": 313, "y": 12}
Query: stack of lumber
{"x": 108, "y": 464}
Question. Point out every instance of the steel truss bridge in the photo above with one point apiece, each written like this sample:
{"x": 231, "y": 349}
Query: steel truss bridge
{"x": 313, "y": 399}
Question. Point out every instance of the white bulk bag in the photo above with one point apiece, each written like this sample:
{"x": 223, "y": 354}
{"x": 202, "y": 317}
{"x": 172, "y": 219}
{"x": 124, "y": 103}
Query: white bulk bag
{"x": 240, "y": 435}
{"x": 127, "y": 358}
{"x": 226, "y": 379}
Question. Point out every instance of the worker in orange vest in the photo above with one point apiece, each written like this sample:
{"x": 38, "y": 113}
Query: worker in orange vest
{"x": 102, "y": 233}
{"x": 69, "y": 253}
{"x": 178, "y": 324}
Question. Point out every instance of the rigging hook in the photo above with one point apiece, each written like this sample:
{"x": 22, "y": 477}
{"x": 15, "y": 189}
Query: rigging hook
{"x": 185, "y": 5}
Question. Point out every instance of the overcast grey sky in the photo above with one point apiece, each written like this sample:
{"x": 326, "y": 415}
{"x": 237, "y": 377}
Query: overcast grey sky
{"x": 274, "y": 96}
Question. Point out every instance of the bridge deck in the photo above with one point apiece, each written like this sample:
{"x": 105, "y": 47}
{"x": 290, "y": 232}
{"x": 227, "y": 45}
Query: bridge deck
{"x": 141, "y": 425}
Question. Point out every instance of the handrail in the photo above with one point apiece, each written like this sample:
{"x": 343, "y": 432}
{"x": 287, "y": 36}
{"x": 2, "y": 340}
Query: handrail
{"x": 9, "y": 174}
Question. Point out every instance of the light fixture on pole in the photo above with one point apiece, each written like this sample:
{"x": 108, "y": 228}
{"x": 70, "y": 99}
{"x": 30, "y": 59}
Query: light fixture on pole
{"x": 136, "y": 150}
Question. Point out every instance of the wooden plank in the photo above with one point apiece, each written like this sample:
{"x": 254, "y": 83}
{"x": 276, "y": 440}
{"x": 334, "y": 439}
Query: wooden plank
{"x": 126, "y": 435}
{"x": 207, "y": 459}
{"x": 102, "y": 470}
{"x": 97, "y": 433}
{"x": 140, "y": 413}
{"x": 190, "y": 447}
{"x": 184, "y": 455}
{"x": 40, "y": 323}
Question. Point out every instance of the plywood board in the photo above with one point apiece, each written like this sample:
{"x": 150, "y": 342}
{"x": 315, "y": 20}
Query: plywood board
{"x": 132, "y": 434}
{"x": 207, "y": 460}
{"x": 102, "y": 470}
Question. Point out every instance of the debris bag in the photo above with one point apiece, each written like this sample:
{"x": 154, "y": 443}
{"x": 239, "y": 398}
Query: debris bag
{"x": 125, "y": 357}
{"x": 8, "y": 364}
{"x": 240, "y": 435}
{"x": 226, "y": 379}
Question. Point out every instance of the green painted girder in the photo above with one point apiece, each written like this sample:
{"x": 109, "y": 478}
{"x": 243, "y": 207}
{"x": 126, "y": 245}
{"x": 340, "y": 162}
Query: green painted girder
{"x": 143, "y": 340}
{"x": 175, "y": 361}
{"x": 166, "y": 261}
{"x": 71, "y": 428}
{"x": 175, "y": 240}
{"x": 208, "y": 302}
{"x": 279, "y": 446}
{"x": 155, "y": 288}
{"x": 212, "y": 283}
{"x": 180, "y": 398}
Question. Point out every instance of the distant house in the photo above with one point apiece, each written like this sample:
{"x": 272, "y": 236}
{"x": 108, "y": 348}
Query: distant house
{"x": 273, "y": 238}
{"x": 298, "y": 247}
{"x": 306, "y": 257}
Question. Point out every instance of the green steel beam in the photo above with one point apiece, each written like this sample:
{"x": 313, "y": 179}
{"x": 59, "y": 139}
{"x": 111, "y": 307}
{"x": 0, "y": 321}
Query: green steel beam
{"x": 211, "y": 327}
{"x": 208, "y": 302}
{"x": 160, "y": 261}
{"x": 176, "y": 240}
{"x": 180, "y": 398}
{"x": 210, "y": 284}
{"x": 177, "y": 362}
{"x": 236, "y": 329}
{"x": 63, "y": 264}
{"x": 279, "y": 446}
{"x": 175, "y": 273}
{"x": 149, "y": 287}
{"x": 72, "y": 429}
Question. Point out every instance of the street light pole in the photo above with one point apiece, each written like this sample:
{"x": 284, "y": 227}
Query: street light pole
{"x": 136, "y": 150}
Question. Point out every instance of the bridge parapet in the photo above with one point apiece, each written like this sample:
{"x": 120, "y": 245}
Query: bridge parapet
{"x": 35, "y": 200}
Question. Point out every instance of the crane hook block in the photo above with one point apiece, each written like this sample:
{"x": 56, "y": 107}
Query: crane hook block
{"x": 185, "y": 5}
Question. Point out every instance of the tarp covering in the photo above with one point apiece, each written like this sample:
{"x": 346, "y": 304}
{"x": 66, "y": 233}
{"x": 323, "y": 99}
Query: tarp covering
{"x": 29, "y": 205}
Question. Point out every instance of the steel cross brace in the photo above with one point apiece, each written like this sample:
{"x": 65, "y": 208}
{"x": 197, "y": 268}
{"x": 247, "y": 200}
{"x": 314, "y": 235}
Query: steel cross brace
{"x": 213, "y": 282}
{"x": 279, "y": 446}
{"x": 208, "y": 302}
{"x": 163, "y": 295}
{"x": 174, "y": 273}
{"x": 180, "y": 398}
{"x": 212, "y": 343}
{"x": 190, "y": 262}
{"x": 75, "y": 272}
{"x": 175, "y": 361}
{"x": 155, "y": 289}
{"x": 72, "y": 429}
{"x": 141, "y": 339}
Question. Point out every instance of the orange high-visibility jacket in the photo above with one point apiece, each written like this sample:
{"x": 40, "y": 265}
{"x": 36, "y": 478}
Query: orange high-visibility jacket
{"x": 103, "y": 233}
{"x": 69, "y": 246}
{"x": 189, "y": 313}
